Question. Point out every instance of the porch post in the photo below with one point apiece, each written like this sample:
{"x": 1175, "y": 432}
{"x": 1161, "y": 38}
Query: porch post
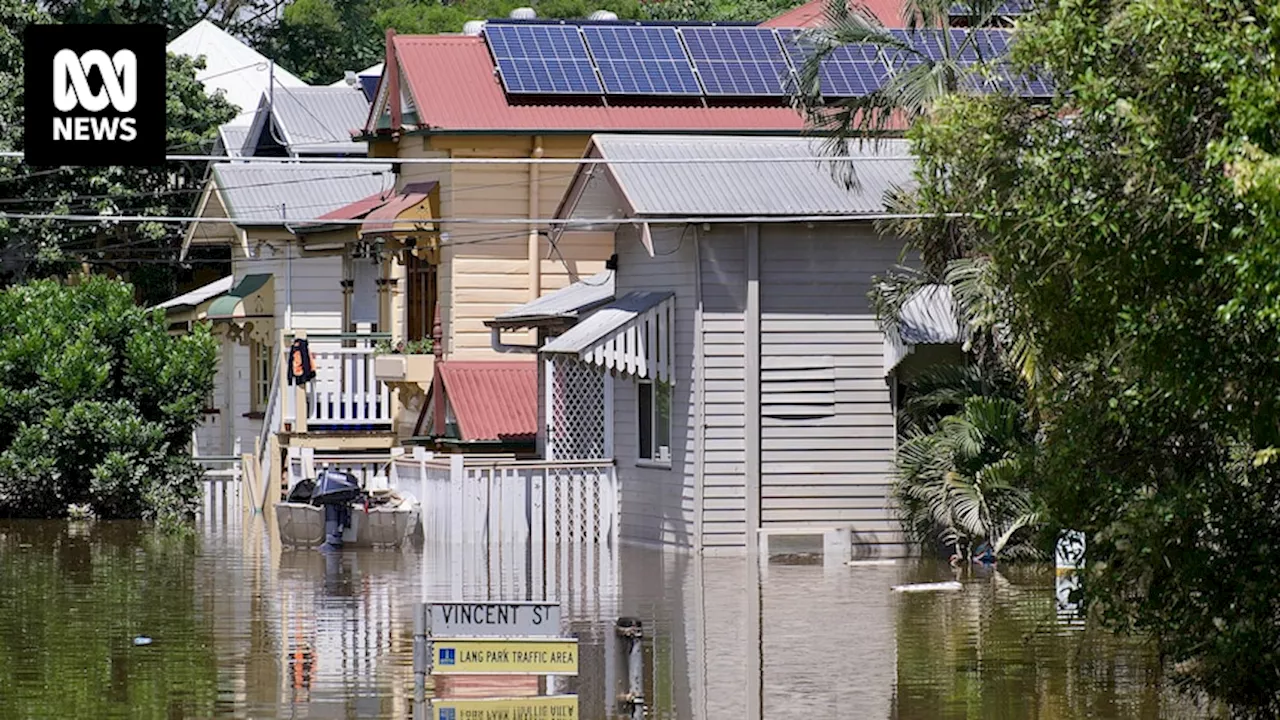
{"x": 300, "y": 409}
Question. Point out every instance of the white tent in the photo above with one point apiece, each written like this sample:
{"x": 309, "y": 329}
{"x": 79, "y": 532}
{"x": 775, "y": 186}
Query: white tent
{"x": 241, "y": 72}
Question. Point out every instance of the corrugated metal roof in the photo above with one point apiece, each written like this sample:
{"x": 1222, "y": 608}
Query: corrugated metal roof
{"x": 231, "y": 66}
{"x": 493, "y": 401}
{"x": 601, "y": 323}
{"x": 232, "y": 137}
{"x": 929, "y": 317}
{"x": 193, "y": 298}
{"x": 736, "y": 188}
{"x": 320, "y": 120}
{"x": 813, "y": 14}
{"x": 454, "y": 87}
{"x": 566, "y": 303}
{"x": 276, "y": 193}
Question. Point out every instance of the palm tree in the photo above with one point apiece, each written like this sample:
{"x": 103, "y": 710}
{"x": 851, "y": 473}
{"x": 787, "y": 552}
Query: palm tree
{"x": 928, "y": 61}
{"x": 966, "y": 462}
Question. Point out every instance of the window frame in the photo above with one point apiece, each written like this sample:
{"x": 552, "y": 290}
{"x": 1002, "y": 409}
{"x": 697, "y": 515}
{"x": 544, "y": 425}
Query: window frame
{"x": 260, "y": 385}
{"x": 653, "y": 390}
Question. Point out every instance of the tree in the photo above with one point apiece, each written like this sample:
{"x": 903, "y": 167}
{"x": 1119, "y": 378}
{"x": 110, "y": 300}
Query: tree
{"x": 97, "y": 403}
{"x": 147, "y": 252}
{"x": 967, "y": 453}
{"x": 1134, "y": 225}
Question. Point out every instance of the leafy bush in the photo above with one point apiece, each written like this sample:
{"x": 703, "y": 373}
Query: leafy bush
{"x": 97, "y": 403}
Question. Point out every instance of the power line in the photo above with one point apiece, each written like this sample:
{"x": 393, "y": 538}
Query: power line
{"x": 300, "y": 223}
{"x": 18, "y": 155}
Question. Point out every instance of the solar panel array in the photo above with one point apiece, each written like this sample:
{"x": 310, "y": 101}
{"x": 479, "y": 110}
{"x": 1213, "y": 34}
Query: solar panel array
{"x": 641, "y": 60}
{"x": 738, "y": 61}
{"x": 624, "y": 59}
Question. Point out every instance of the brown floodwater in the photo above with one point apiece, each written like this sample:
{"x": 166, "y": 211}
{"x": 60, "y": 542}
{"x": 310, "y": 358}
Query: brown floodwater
{"x": 240, "y": 628}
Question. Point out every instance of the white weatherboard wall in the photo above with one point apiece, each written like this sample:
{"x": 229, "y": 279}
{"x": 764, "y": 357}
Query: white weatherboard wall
{"x": 825, "y": 427}
{"x": 314, "y": 287}
{"x": 658, "y": 503}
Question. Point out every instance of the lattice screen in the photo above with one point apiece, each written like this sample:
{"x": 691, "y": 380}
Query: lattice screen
{"x": 575, "y": 410}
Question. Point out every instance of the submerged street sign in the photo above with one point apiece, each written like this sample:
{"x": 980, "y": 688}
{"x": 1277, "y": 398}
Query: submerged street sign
{"x": 495, "y": 619}
{"x": 507, "y": 656}
{"x": 553, "y": 707}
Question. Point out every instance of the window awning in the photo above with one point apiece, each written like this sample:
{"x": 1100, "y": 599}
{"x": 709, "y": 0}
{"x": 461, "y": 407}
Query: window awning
{"x": 247, "y": 310}
{"x": 408, "y": 217}
{"x": 631, "y": 336}
{"x": 927, "y": 318}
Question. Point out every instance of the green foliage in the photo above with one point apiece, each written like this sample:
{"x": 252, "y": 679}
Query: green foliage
{"x": 97, "y": 403}
{"x": 1137, "y": 247}
{"x": 412, "y": 347}
{"x": 966, "y": 463}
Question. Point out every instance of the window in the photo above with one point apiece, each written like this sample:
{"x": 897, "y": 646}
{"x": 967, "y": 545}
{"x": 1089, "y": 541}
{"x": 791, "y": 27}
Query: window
{"x": 654, "y": 405}
{"x": 262, "y": 366}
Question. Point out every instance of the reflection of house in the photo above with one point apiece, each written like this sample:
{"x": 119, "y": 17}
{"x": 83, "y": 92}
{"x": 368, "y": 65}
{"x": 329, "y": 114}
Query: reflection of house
{"x": 745, "y": 370}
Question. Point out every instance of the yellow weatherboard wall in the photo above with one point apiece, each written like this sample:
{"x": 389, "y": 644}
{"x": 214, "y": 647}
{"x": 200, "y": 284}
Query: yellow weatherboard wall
{"x": 486, "y": 269}
{"x": 459, "y": 656}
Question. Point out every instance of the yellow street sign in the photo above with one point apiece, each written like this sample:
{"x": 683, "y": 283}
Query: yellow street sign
{"x": 553, "y": 707}
{"x": 509, "y": 656}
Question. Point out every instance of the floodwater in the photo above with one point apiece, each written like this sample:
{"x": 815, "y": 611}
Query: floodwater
{"x": 241, "y": 628}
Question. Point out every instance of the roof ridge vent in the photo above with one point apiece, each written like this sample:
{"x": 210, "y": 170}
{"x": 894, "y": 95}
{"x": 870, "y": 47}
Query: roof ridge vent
{"x": 524, "y": 13}
{"x": 473, "y": 27}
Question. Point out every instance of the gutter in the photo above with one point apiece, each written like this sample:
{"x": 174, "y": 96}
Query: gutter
{"x": 495, "y": 341}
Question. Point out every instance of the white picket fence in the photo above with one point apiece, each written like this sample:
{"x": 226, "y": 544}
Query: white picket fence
{"x": 500, "y": 529}
{"x": 371, "y": 469}
{"x": 221, "y": 505}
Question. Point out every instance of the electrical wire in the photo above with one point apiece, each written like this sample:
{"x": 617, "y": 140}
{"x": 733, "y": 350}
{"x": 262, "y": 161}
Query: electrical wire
{"x": 18, "y": 155}
{"x": 299, "y": 223}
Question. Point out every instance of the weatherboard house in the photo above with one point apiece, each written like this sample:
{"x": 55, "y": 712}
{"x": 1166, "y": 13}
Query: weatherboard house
{"x": 731, "y": 364}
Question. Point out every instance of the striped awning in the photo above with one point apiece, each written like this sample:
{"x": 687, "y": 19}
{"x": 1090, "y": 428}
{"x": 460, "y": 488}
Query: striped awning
{"x": 630, "y": 336}
{"x": 247, "y": 311}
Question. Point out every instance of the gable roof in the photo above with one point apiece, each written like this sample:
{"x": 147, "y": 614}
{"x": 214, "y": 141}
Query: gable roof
{"x": 312, "y": 120}
{"x": 454, "y": 88}
{"x": 812, "y": 14}
{"x": 280, "y": 193}
{"x": 758, "y": 176}
{"x": 193, "y": 298}
{"x": 231, "y": 66}
{"x": 493, "y": 401}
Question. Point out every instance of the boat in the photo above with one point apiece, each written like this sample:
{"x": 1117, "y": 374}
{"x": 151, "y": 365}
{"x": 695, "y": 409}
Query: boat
{"x": 378, "y": 519}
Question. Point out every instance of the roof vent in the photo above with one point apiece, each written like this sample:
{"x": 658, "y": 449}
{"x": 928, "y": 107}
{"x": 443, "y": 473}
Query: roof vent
{"x": 473, "y": 27}
{"x": 523, "y": 13}
{"x": 603, "y": 15}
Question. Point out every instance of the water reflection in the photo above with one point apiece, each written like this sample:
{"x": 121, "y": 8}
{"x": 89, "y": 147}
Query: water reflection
{"x": 242, "y": 628}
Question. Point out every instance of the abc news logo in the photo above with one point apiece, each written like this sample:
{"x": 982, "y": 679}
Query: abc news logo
{"x": 95, "y": 95}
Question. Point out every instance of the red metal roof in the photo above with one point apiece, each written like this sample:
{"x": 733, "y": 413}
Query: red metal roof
{"x": 455, "y": 88}
{"x": 492, "y": 400}
{"x": 380, "y": 210}
{"x": 810, "y": 14}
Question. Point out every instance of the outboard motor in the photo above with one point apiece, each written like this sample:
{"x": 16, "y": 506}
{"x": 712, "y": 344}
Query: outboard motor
{"x": 335, "y": 491}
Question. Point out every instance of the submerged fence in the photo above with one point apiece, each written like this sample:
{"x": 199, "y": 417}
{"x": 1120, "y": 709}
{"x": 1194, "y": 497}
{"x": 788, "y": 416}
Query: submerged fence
{"x": 221, "y": 503}
{"x": 499, "y": 529}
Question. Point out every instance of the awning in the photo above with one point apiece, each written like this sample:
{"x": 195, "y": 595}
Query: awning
{"x": 631, "y": 336}
{"x": 248, "y": 310}
{"x": 407, "y": 217}
{"x": 927, "y": 318}
{"x": 562, "y": 307}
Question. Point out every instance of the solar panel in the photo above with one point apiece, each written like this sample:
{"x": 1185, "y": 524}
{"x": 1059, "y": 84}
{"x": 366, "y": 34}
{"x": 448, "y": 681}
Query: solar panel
{"x": 738, "y": 61}
{"x": 853, "y": 70}
{"x": 641, "y": 60}
{"x": 542, "y": 59}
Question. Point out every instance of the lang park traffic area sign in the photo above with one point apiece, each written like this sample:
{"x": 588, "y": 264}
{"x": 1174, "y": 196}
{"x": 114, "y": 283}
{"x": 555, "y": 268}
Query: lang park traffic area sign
{"x": 504, "y": 656}
{"x": 550, "y": 707}
{"x": 494, "y": 619}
